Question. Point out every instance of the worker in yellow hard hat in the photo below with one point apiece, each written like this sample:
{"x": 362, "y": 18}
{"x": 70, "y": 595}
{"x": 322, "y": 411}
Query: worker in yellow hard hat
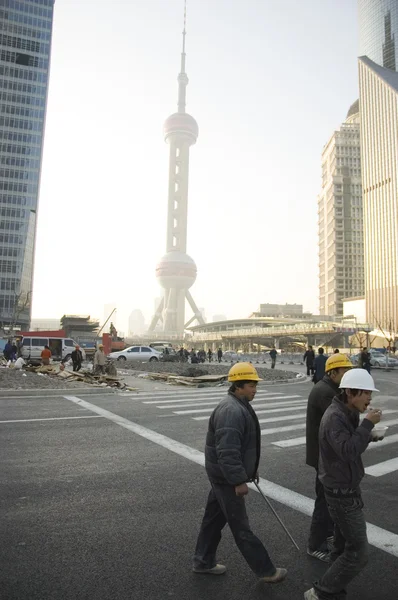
{"x": 232, "y": 456}
{"x": 320, "y": 398}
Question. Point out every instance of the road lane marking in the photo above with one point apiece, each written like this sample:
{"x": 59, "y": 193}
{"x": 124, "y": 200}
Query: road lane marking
{"x": 214, "y": 403}
{"x": 298, "y": 441}
{"x": 380, "y": 538}
{"x": 217, "y": 397}
{"x": 282, "y": 429}
{"x": 51, "y": 419}
{"x": 283, "y": 418}
{"x": 382, "y": 468}
{"x": 202, "y": 410}
{"x": 267, "y": 410}
{"x": 389, "y": 439}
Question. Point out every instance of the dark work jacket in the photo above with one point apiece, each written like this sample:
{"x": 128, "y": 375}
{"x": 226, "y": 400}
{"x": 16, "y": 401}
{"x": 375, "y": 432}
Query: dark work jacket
{"x": 341, "y": 442}
{"x": 319, "y": 400}
{"x": 233, "y": 442}
{"x": 77, "y": 356}
{"x": 319, "y": 367}
{"x": 273, "y": 353}
{"x": 309, "y": 357}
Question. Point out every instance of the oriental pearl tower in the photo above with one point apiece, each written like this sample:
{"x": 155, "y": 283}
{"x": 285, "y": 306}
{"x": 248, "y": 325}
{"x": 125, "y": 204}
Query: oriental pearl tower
{"x": 176, "y": 271}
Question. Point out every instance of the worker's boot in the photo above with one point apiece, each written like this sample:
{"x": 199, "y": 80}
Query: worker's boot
{"x": 217, "y": 570}
{"x": 277, "y": 577}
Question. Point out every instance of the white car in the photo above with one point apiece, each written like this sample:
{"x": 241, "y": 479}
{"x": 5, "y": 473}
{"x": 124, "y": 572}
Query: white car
{"x": 143, "y": 353}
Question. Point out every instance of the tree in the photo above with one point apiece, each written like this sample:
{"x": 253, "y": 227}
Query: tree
{"x": 21, "y": 304}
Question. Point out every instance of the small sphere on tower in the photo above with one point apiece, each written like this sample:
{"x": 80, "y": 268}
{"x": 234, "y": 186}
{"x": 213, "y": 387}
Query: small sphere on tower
{"x": 176, "y": 270}
{"x": 183, "y": 125}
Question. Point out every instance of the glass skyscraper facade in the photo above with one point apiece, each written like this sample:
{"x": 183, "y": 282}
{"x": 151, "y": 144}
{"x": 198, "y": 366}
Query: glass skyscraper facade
{"x": 378, "y": 31}
{"x": 25, "y": 45}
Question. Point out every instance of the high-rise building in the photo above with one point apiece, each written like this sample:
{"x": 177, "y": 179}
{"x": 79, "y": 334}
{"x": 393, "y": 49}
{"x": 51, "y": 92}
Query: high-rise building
{"x": 136, "y": 322}
{"x": 378, "y": 89}
{"x": 340, "y": 222}
{"x": 25, "y": 44}
{"x": 378, "y": 31}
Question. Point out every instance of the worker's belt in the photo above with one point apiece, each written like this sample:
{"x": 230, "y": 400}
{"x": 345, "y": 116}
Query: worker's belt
{"x": 342, "y": 492}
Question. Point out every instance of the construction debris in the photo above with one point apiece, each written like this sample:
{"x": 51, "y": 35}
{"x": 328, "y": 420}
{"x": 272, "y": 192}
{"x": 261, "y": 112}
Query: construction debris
{"x": 200, "y": 381}
{"x": 83, "y": 376}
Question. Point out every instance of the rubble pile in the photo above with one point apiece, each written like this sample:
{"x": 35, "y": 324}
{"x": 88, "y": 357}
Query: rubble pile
{"x": 54, "y": 377}
{"x": 187, "y": 370}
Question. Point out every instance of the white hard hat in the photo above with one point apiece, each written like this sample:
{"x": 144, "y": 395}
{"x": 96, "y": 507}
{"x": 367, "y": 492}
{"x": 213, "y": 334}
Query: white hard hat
{"x": 358, "y": 379}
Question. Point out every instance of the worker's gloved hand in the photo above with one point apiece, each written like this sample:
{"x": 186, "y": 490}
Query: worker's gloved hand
{"x": 242, "y": 489}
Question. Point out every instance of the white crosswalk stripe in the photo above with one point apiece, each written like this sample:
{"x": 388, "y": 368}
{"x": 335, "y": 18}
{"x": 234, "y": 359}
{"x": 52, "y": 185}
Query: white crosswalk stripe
{"x": 273, "y": 408}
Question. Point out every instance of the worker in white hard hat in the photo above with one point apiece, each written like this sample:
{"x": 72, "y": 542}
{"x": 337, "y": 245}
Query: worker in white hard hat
{"x": 232, "y": 456}
{"x": 342, "y": 440}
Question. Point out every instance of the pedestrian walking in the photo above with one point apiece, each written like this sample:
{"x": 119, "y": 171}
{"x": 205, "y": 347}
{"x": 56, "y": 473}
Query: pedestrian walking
{"x": 99, "y": 360}
{"x": 320, "y": 398}
{"x": 319, "y": 365}
{"x": 309, "y": 357}
{"x": 77, "y": 358}
{"x": 342, "y": 440}
{"x": 364, "y": 360}
{"x": 210, "y": 354}
{"x": 7, "y": 352}
{"x": 232, "y": 456}
{"x": 273, "y": 354}
{"x": 45, "y": 356}
{"x": 219, "y": 355}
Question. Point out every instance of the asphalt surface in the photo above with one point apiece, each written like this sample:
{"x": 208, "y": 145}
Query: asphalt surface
{"x": 91, "y": 509}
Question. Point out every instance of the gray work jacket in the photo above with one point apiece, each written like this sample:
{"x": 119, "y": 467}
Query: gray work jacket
{"x": 342, "y": 440}
{"x": 233, "y": 442}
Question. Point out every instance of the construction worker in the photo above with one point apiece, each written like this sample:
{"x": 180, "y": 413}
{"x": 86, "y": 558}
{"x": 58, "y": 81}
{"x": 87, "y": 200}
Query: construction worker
{"x": 273, "y": 354}
{"x": 77, "y": 358}
{"x": 99, "y": 360}
{"x": 319, "y": 365}
{"x": 320, "y": 398}
{"x": 342, "y": 440}
{"x": 232, "y": 455}
{"x": 45, "y": 356}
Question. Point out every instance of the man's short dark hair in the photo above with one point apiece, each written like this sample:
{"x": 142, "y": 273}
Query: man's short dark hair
{"x": 344, "y": 397}
{"x": 239, "y": 384}
{"x": 321, "y": 350}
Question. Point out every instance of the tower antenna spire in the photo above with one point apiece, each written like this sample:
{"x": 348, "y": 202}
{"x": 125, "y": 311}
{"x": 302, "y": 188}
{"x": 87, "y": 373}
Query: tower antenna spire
{"x": 182, "y": 77}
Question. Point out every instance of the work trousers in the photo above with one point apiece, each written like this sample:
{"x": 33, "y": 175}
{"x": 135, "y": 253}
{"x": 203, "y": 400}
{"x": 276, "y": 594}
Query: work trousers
{"x": 322, "y": 525}
{"x": 273, "y": 361}
{"x": 224, "y": 506}
{"x": 99, "y": 369}
{"x": 77, "y": 366}
{"x": 350, "y": 550}
{"x": 310, "y": 370}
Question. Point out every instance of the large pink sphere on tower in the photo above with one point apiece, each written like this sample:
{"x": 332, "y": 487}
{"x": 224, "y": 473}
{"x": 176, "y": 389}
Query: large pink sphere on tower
{"x": 176, "y": 270}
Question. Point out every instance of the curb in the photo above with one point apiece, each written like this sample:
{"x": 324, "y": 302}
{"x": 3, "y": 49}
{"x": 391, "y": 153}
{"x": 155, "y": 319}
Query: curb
{"x": 55, "y": 392}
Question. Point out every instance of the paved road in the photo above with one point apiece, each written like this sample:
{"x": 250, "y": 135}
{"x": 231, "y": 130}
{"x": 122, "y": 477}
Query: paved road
{"x": 103, "y": 494}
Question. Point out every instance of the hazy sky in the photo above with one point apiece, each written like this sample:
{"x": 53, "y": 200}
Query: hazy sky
{"x": 270, "y": 80}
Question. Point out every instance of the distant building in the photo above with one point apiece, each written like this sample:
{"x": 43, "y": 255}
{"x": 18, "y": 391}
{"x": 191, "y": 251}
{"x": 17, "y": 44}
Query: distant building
{"x": 378, "y": 31}
{"x": 203, "y": 313}
{"x": 81, "y": 329}
{"x": 279, "y": 310}
{"x": 378, "y": 88}
{"x": 340, "y": 220}
{"x": 45, "y": 325}
{"x": 137, "y": 324}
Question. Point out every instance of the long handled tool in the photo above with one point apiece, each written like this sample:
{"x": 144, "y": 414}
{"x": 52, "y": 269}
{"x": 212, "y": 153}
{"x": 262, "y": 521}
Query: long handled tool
{"x": 276, "y": 514}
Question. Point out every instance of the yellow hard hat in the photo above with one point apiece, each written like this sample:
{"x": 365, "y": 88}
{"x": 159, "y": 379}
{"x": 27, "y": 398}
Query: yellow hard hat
{"x": 338, "y": 361}
{"x": 242, "y": 372}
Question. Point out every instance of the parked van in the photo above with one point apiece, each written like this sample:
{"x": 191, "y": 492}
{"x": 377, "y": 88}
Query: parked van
{"x": 61, "y": 348}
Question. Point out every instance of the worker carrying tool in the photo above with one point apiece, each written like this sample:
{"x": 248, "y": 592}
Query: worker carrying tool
{"x": 232, "y": 456}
